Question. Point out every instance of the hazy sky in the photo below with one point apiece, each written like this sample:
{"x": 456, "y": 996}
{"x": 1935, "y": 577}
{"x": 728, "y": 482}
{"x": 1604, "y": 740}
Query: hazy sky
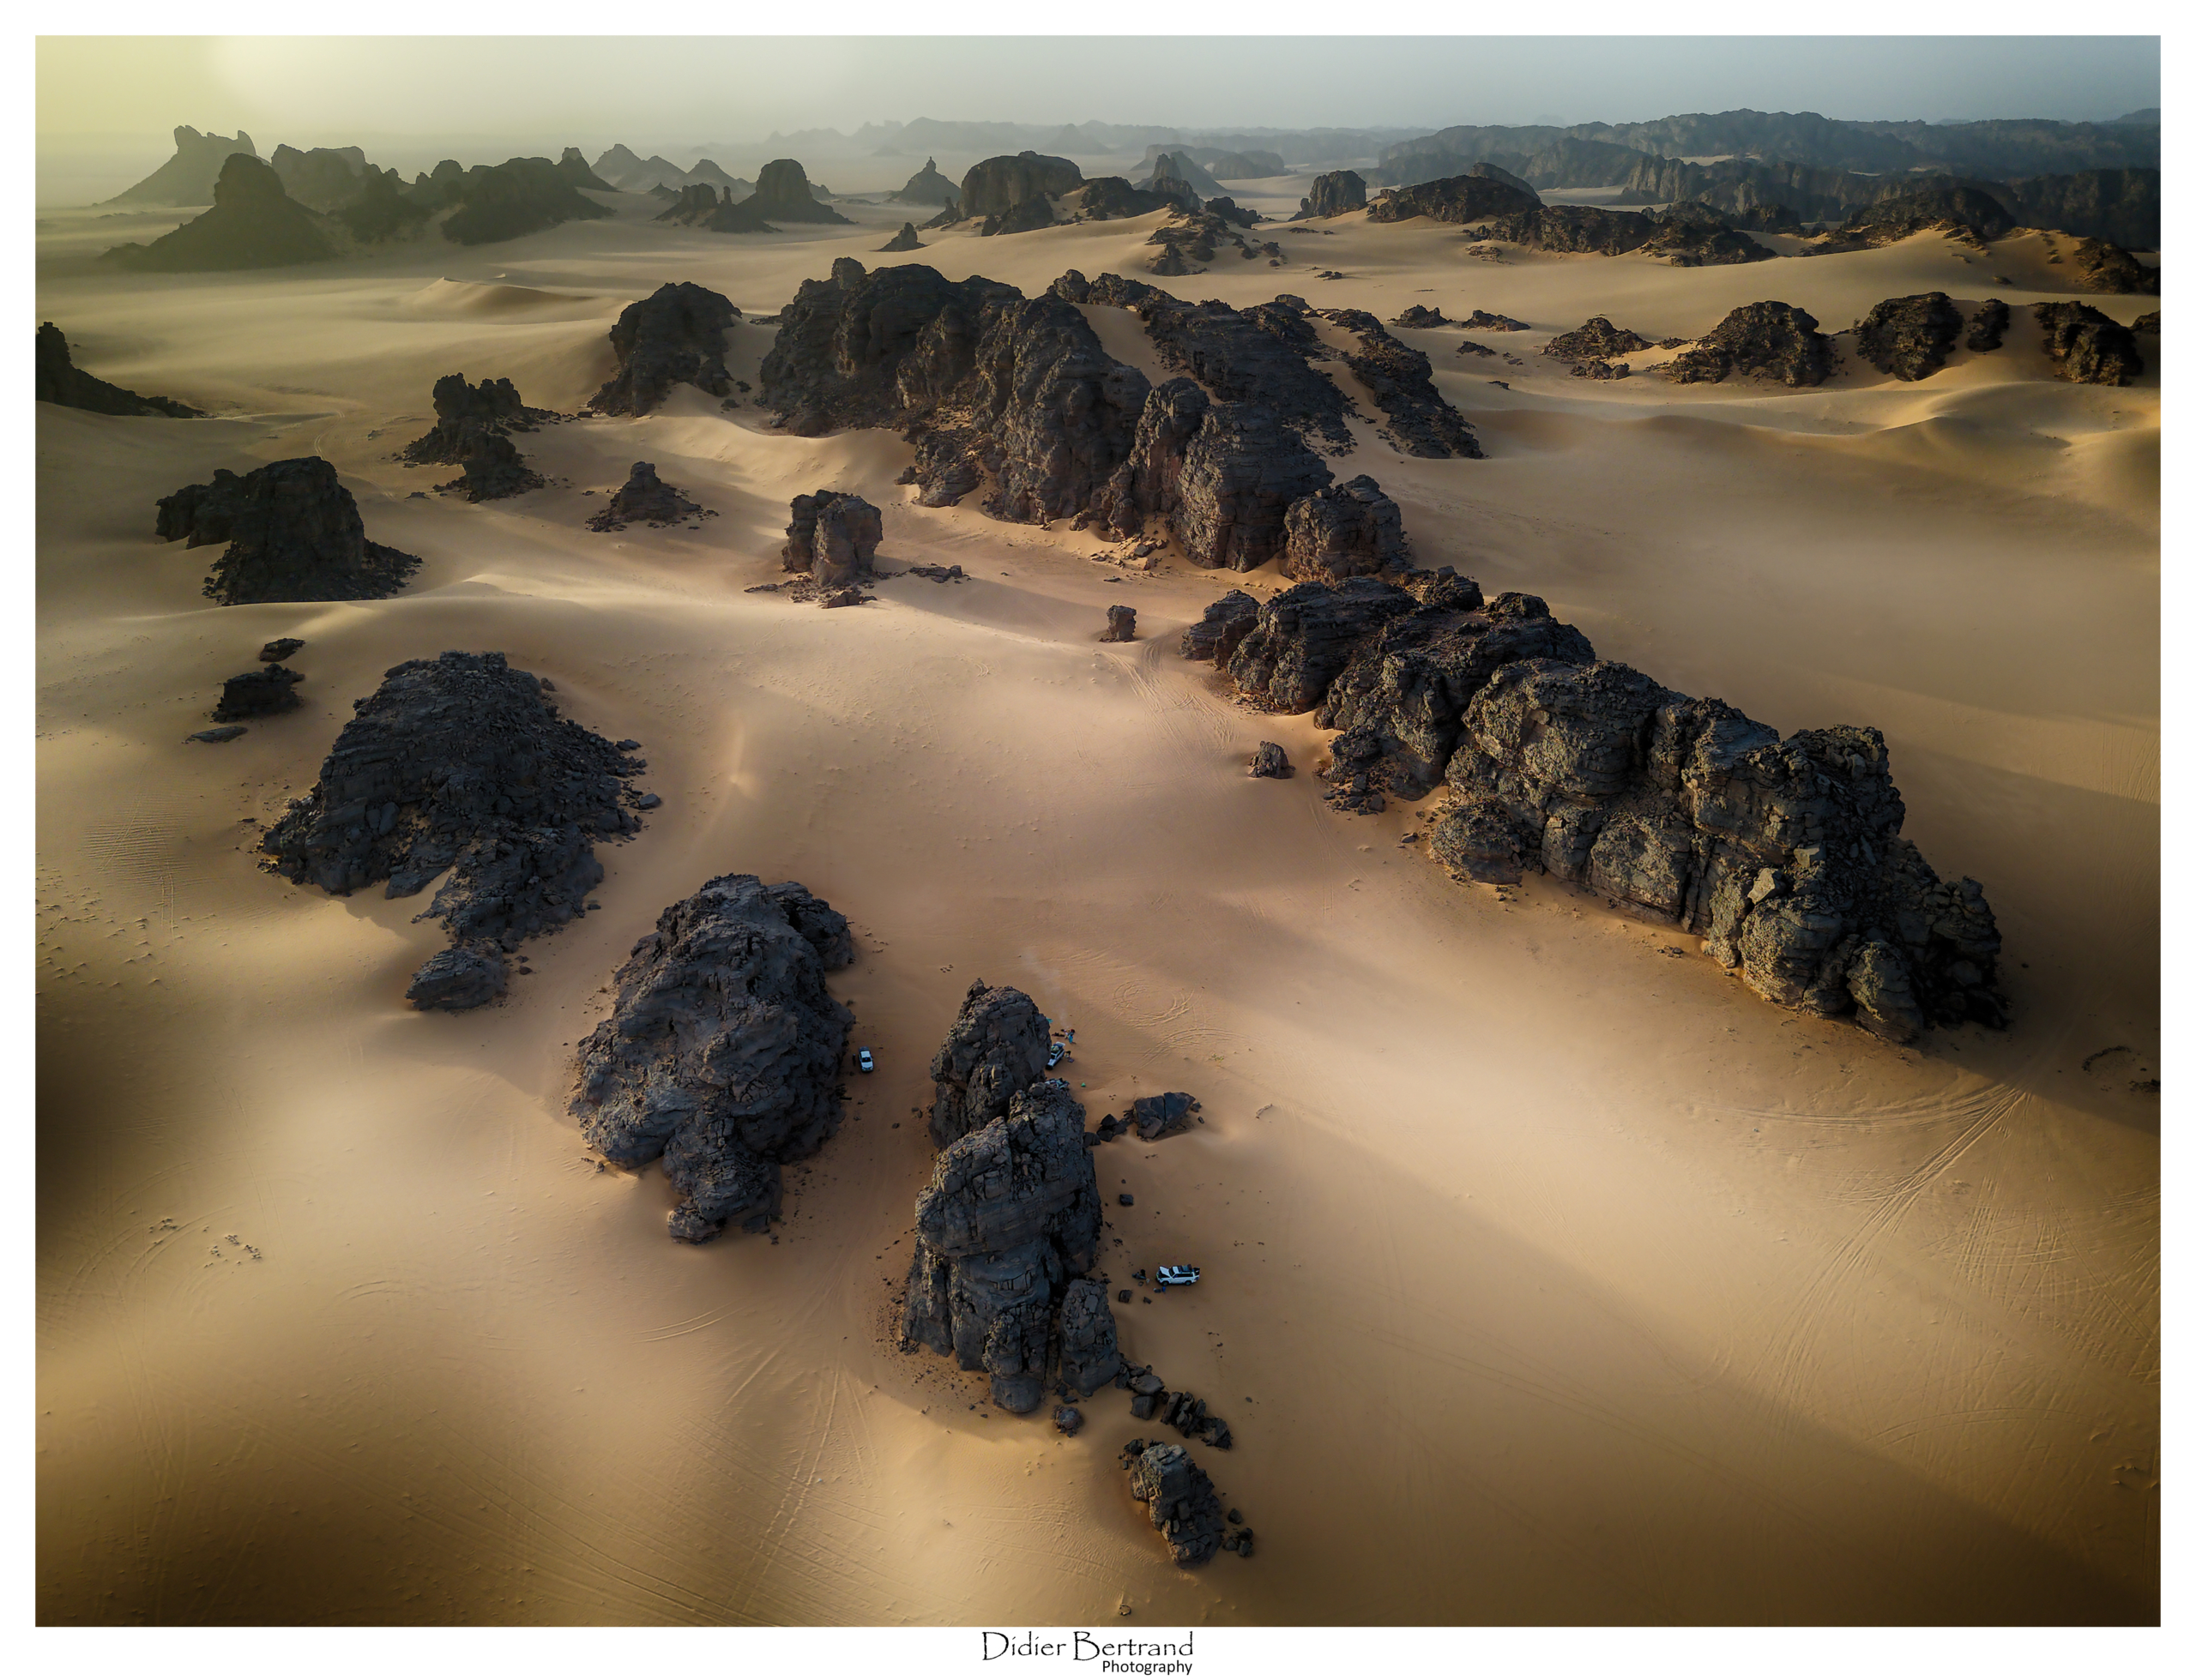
{"x": 330, "y": 90}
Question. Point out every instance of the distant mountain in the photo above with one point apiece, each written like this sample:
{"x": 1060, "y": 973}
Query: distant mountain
{"x": 322, "y": 179}
{"x": 253, "y": 224}
{"x": 188, "y": 177}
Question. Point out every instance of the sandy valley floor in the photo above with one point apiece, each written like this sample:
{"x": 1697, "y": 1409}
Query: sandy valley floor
{"x": 1548, "y": 1277}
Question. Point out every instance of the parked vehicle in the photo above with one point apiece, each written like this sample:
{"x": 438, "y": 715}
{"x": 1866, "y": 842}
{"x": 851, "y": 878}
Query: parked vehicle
{"x": 1177, "y": 1275}
{"x": 864, "y": 1061}
{"x": 1055, "y": 1056}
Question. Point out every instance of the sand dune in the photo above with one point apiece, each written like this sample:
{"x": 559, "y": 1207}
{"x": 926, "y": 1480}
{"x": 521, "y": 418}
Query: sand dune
{"x": 1548, "y": 1276}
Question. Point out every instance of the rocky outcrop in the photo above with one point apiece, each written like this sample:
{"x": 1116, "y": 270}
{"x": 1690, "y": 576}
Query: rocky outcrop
{"x": 461, "y": 764}
{"x": 1184, "y": 1508}
{"x": 997, "y": 185}
{"x": 491, "y": 203}
{"x": 1909, "y": 338}
{"x": 293, "y": 534}
{"x": 1967, "y": 211}
{"x": 322, "y": 179}
{"x": 1335, "y": 193}
{"x": 1304, "y": 635}
{"x": 471, "y": 423}
{"x": 1479, "y": 321}
{"x": 1009, "y": 1217}
{"x": 1111, "y": 198}
{"x": 700, "y": 204}
{"x": 1598, "y": 369}
{"x": 1460, "y": 198}
{"x": 927, "y": 186}
{"x": 1219, "y": 475}
{"x": 644, "y": 499}
{"x": 2145, "y": 324}
{"x": 2106, "y": 267}
{"x": 1599, "y": 338}
{"x": 60, "y": 381}
{"x": 1120, "y": 624}
{"x": 1089, "y": 1343}
{"x": 574, "y": 168}
{"x": 783, "y": 195}
{"x": 1163, "y": 1116}
{"x": 1216, "y": 634}
{"x": 1418, "y": 315}
{"x": 832, "y": 537}
{"x": 1027, "y": 216}
{"x": 721, "y": 1053}
{"x": 2087, "y": 346}
{"x": 1579, "y": 228}
{"x": 1271, "y": 762}
{"x": 253, "y": 224}
{"x": 380, "y": 211}
{"x": 995, "y": 1051}
{"x": 458, "y": 979}
{"x": 674, "y": 336}
{"x": 1987, "y": 329}
{"x": 1178, "y": 176}
{"x": 903, "y": 240}
{"x": 1693, "y": 236}
{"x": 1347, "y": 530}
{"x": 1420, "y": 420}
{"x": 1785, "y": 855}
{"x": 258, "y": 694}
{"x": 188, "y": 177}
{"x": 2122, "y": 206}
{"x": 1772, "y": 340}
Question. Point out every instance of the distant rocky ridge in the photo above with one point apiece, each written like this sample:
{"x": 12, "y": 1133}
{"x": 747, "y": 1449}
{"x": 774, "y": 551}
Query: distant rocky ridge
{"x": 619, "y": 170}
{"x": 188, "y": 177}
{"x": 489, "y": 204}
{"x": 673, "y": 336}
{"x": 60, "y": 381}
{"x": 723, "y": 1052}
{"x": 293, "y": 534}
{"x": 698, "y": 205}
{"x": 1965, "y": 211}
{"x": 927, "y": 186}
{"x": 253, "y": 224}
{"x": 461, "y": 764}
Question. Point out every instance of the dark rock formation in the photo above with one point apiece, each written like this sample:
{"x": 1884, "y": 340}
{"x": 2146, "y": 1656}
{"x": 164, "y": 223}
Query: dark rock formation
{"x": 1304, "y": 635}
{"x": 1120, "y": 624}
{"x": 1598, "y": 337}
{"x": 1090, "y": 1349}
{"x": 1011, "y": 1216}
{"x": 1184, "y": 1509}
{"x": 832, "y": 537}
{"x": 1420, "y": 420}
{"x": 1163, "y": 1116}
{"x": 2143, "y": 323}
{"x": 573, "y": 167}
{"x": 380, "y": 210}
{"x": 188, "y": 177}
{"x": 782, "y": 194}
{"x": 459, "y": 978}
{"x": 1348, "y": 530}
{"x": 997, "y": 185}
{"x": 1479, "y": 321}
{"x": 1772, "y": 339}
{"x": 1334, "y": 193}
{"x": 1026, "y": 216}
{"x": 491, "y": 203}
{"x": 322, "y": 179}
{"x": 60, "y": 381}
{"x": 643, "y": 498}
{"x": 1229, "y": 211}
{"x": 2122, "y": 206}
{"x": 1693, "y": 236}
{"x": 2088, "y": 346}
{"x": 1177, "y": 174}
{"x": 1785, "y": 855}
{"x": 1271, "y": 761}
{"x": 1066, "y": 1419}
{"x": 1186, "y": 1415}
{"x": 1987, "y": 330}
{"x": 927, "y": 186}
{"x": 1111, "y": 198}
{"x": 280, "y": 649}
{"x": 1461, "y": 198}
{"x": 903, "y": 240}
{"x": 258, "y": 694}
{"x": 219, "y": 737}
{"x": 1581, "y": 229}
{"x": 460, "y": 763}
{"x": 995, "y": 1051}
{"x": 721, "y": 1054}
{"x": 1968, "y": 211}
{"x": 2106, "y": 267}
{"x": 1216, "y": 634}
{"x": 698, "y": 205}
{"x": 673, "y": 336}
{"x": 1598, "y": 369}
{"x": 294, "y": 532}
{"x": 253, "y": 224}
{"x": 471, "y": 422}
{"x": 1909, "y": 338}
{"x": 1220, "y": 476}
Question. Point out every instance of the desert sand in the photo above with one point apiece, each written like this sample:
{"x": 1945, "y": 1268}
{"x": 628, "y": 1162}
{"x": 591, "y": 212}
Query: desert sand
{"x": 1548, "y": 1276}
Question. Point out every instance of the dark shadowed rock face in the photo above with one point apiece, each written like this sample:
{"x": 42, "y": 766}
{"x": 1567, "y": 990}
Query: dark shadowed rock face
{"x": 258, "y": 694}
{"x": 294, "y": 532}
{"x": 459, "y": 979}
{"x": 1220, "y": 476}
{"x": 1694, "y": 236}
{"x": 1966, "y": 210}
{"x": 1335, "y": 192}
{"x": 696, "y": 204}
{"x": 253, "y": 224}
{"x": 1304, "y": 635}
{"x": 322, "y": 179}
{"x": 1010, "y": 1217}
{"x": 1184, "y": 1508}
{"x": 721, "y": 1053}
{"x": 505, "y": 201}
{"x": 470, "y": 424}
{"x": 1420, "y": 420}
{"x": 675, "y": 336}
{"x": 1774, "y": 340}
{"x": 1165, "y": 1115}
{"x": 782, "y": 194}
{"x": 1599, "y": 339}
{"x": 1089, "y": 1350}
{"x": 903, "y": 240}
{"x": 2146, "y": 323}
{"x": 1909, "y": 338}
{"x": 832, "y": 537}
{"x": 1271, "y": 761}
{"x": 995, "y": 1051}
{"x": 1479, "y": 321}
{"x": 1026, "y": 216}
{"x": 1461, "y": 198}
{"x": 1784, "y": 856}
{"x": 2104, "y": 267}
{"x": 2088, "y": 346}
{"x": 460, "y": 763}
{"x": 60, "y": 381}
{"x": 1347, "y": 530}
{"x": 1120, "y": 624}
{"x": 1111, "y": 198}
{"x": 997, "y": 185}
{"x": 1216, "y": 634}
{"x": 644, "y": 499}
{"x": 927, "y": 186}
{"x": 1987, "y": 330}
{"x": 1419, "y": 315}
{"x": 1577, "y": 228}
{"x": 573, "y": 167}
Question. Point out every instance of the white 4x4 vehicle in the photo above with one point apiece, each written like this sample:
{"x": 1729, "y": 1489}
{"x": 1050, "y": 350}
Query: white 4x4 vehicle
{"x": 1177, "y": 1275}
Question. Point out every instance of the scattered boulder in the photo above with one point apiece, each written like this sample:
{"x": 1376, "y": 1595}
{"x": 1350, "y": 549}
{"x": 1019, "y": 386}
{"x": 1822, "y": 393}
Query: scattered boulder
{"x": 216, "y": 736}
{"x": 1418, "y": 315}
{"x": 673, "y": 336}
{"x": 832, "y": 537}
{"x": 459, "y": 763}
{"x": 1066, "y": 1419}
{"x": 1346, "y": 530}
{"x": 1334, "y": 194}
{"x": 1120, "y": 624}
{"x": 1909, "y": 338}
{"x": 645, "y": 498}
{"x": 458, "y": 978}
{"x": 1986, "y": 330}
{"x": 253, "y": 224}
{"x": 1479, "y": 321}
{"x": 903, "y": 240}
{"x": 997, "y": 185}
{"x": 60, "y": 381}
{"x": 2087, "y": 346}
{"x": 995, "y": 1051}
{"x": 258, "y": 694}
{"x": 1269, "y": 760}
{"x": 1774, "y": 340}
{"x": 782, "y": 194}
{"x": 1598, "y": 340}
{"x": 721, "y": 1054}
{"x": 1163, "y": 1116}
{"x": 272, "y": 653}
{"x": 927, "y": 186}
{"x": 1184, "y": 1508}
{"x": 293, "y": 534}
